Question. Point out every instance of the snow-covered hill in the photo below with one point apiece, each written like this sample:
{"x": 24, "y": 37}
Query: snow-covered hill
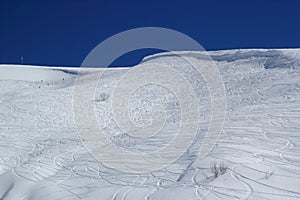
{"x": 256, "y": 157}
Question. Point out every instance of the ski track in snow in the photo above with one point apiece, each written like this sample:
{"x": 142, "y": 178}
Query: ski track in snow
{"x": 42, "y": 157}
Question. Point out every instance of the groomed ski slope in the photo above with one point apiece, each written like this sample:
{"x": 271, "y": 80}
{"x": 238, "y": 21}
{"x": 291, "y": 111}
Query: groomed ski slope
{"x": 42, "y": 156}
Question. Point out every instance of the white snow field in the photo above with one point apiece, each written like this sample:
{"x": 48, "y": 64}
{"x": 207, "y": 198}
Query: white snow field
{"x": 257, "y": 156}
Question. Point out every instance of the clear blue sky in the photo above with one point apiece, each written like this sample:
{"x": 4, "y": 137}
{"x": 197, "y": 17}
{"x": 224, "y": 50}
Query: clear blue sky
{"x": 63, "y": 32}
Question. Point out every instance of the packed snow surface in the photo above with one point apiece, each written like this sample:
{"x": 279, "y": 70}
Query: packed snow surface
{"x": 42, "y": 156}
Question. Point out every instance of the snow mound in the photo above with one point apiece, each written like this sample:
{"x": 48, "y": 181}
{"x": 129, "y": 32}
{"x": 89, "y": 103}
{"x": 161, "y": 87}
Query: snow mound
{"x": 273, "y": 58}
{"x": 34, "y": 73}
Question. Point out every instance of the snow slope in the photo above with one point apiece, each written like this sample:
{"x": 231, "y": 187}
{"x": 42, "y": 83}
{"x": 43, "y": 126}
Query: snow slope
{"x": 42, "y": 156}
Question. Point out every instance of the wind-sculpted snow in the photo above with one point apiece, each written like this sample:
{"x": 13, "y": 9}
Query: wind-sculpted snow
{"x": 271, "y": 58}
{"x": 256, "y": 156}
